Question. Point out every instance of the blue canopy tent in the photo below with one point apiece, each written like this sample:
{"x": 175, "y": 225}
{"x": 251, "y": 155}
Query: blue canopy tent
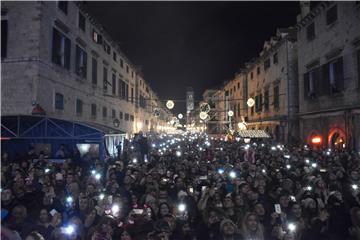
{"x": 20, "y": 132}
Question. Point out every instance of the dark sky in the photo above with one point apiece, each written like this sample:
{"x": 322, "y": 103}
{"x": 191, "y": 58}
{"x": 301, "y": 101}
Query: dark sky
{"x": 197, "y": 44}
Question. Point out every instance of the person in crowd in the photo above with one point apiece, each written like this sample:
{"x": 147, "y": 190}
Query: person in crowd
{"x": 189, "y": 186}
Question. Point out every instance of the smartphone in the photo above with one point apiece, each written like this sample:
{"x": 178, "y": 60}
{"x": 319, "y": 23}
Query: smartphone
{"x": 323, "y": 170}
{"x": 191, "y": 190}
{"x": 203, "y": 188}
{"x": 203, "y": 177}
{"x": 53, "y": 212}
{"x": 277, "y": 208}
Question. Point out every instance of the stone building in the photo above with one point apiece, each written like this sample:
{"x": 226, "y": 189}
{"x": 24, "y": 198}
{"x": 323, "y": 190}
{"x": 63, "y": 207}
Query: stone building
{"x": 58, "y": 59}
{"x": 329, "y": 74}
{"x": 272, "y": 81}
{"x": 235, "y": 97}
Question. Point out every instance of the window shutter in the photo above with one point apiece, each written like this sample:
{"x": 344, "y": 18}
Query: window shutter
{"x": 339, "y": 74}
{"x": 306, "y": 85}
{"x": 67, "y": 53}
{"x": 317, "y": 81}
{"x": 56, "y": 47}
{"x": 325, "y": 80}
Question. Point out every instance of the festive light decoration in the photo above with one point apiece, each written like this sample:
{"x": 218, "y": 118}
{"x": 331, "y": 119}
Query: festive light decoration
{"x": 230, "y": 113}
{"x": 170, "y": 104}
{"x": 250, "y": 102}
{"x": 203, "y": 115}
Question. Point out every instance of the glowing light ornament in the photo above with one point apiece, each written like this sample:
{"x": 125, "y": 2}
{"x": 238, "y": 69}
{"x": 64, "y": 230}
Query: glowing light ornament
{"x": 250, "y": 102}
{"x": 203, "y": 115}
{"x": 170, "y": 104}
{"x": 180, "y": 116}
{"x": 230, "y": 113}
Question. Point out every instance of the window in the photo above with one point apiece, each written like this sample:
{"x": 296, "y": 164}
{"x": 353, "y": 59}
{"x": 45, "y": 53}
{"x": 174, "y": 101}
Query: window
{"x": 146, "y": 122}
{"x": 63, "y": 6}
{"x": 127, "y": 68}
{"x": 96, "y": 37}
{"x": 94, "y": 71}
{"x": 132, "y": 118}
{"x": 121, "y": 63}
{"x": 127, "y": 117}
{"x": 142, "y": 101}
{"x": 251, "y": 75}
{"x": 331, "y": 15}
{"x": 61, "y": 49}
{"x": 310, "y": 31}
{"x": 122, "y": 95}
{"x": 106, "y": 47}
{"x": 93, "y": 110}
{"x": 121, "y": 116}
{"x": 120, "y": 88}
{"x": 104, "y": 112}
{"x": 258, "y": 103}
{"x": 105, "y": 79}
{"x": 80, "y": 62}
{"x": 82, "y": 22}
{"x": 267, "y": 64}
{"x": 4, "y": 37}
{"x": 358, "y": 65}
{"x": 275, "y": 58}
{"x": 238, "y": 85}
{"x": 79, "y": 106}
{"x": 258, "y": 70}
{"x": 114, "y": 56}
{"x": 276, "y": 97}
{"x": 238, "y": 109}
{"x": 132, "y": 95}
{"x": 127, "y": 92}
{"x": 113, "y": 84}
{"x": 266, "y": 100}
{"x": 333, "y": 75}
{"x": 59, "y": 101}
{"x": 113, "y": 113}
{"x": 311, "y": 84}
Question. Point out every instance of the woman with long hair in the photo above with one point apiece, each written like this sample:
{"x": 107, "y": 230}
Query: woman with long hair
{"x": 251, "y": 228}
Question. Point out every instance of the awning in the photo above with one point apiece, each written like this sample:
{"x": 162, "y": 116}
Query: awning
{"x": 253, "y": 134}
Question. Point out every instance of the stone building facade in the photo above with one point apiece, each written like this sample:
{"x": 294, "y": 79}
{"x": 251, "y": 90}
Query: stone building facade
{"x": 272, "y": 81}
{"x": 56, "y": 56}
{"x": 329, "y": 74}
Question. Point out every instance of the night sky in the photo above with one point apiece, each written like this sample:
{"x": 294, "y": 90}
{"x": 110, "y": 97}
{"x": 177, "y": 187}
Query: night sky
{"x": 197, "y": 44}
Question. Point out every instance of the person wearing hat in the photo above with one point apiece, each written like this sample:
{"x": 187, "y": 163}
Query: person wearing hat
{"x": 228, "y": 230}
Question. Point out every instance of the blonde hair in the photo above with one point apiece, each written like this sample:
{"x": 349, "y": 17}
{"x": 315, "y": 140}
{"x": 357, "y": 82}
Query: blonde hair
{"x": 246, "y": 232}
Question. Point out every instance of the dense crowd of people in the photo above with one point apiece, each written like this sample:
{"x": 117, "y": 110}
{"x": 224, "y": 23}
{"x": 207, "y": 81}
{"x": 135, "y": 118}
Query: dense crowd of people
{"x": 188, "y": 186}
